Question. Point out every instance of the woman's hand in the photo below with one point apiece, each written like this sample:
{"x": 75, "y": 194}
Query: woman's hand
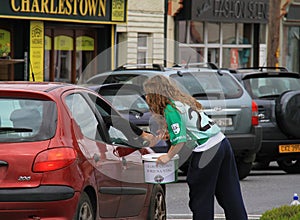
{"x": 163, "y": 159}
{"x": 174, "y": 149}
{"x": 152, "y": 139}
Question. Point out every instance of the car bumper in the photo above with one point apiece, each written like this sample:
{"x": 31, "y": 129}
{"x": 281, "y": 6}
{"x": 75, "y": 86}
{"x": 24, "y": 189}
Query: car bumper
{"x": 244, "y": 145}
{"x": 44, "y": 202}
{"x": 270, "y": 150}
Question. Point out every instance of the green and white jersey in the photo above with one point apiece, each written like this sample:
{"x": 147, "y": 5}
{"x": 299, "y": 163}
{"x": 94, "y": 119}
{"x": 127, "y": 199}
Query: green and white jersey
{"x": 186, "y": 124}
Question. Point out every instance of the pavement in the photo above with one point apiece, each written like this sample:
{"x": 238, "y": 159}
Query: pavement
{"x": 216, "y": 217}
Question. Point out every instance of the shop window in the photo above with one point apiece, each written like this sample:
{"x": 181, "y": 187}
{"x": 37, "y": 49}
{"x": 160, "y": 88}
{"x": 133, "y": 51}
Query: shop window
{"x": 292, "y": 57}
{"x": 225, "y": 44}
{"x": 63, "y": 47}
{"x": 5, "y": 47}
{"x": 85, "y": 47}
{"x": 67, "y": 53}
{"x": 4, "y": 43}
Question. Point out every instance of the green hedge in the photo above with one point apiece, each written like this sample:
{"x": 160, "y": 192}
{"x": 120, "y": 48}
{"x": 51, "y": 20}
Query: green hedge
{"x": 285, "y": 212}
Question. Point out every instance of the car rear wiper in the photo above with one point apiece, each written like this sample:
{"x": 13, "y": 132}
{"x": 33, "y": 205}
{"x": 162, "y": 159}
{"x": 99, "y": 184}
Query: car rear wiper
{"x": 268, "y": 96}
{"x": 207, "y": 94}
{"x": 12, "y": 129}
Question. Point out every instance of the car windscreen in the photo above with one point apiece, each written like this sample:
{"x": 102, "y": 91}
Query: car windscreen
{"x": 209, "y": 85}
{"x": 271, "y": 85}
{"x": 27, "y": 119}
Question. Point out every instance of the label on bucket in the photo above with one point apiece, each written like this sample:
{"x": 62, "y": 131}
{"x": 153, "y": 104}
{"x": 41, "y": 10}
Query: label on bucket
{"x": 161, "y": 173}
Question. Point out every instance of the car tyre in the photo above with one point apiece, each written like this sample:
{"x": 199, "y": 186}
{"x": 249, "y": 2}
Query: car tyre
{"x": 157, "y": 208}
{"x": 85, "y": 210}
{"x": 290, "y": 166}
{"x": 244, "y": 169}
{"x": 288, "y": 114}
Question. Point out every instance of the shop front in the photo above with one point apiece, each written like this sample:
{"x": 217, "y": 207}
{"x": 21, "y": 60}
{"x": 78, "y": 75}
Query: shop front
{"x": 228, "y": 33}
{"x": 55, "y": 40}
{"x": 290, "y": 37}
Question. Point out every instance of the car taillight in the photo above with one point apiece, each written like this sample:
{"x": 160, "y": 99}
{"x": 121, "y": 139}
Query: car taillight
{"x": 254, "y": 113}
{"x": 54, "y": 159}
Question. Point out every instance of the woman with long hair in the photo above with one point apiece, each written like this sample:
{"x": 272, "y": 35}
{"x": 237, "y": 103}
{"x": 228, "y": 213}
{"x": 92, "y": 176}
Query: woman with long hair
{"x": 212, "y": 169}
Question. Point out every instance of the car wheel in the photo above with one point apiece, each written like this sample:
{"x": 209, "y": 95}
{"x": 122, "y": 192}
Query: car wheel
{"x": 288, "y": 113}
{"x": 243, "y": 169}
{"x": 157, "y": 208}
{"x": 289, "y": 165}
{"x": 85, "y": 209}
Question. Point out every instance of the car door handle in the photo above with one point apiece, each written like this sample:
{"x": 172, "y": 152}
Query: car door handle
{"x": 3, "y": 163}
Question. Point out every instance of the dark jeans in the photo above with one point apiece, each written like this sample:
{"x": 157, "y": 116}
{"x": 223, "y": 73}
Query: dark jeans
{"x": 214, "y": 173}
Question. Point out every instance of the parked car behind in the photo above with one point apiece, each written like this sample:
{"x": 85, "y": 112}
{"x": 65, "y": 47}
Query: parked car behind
{"x": 277, "y": 93}
{"x": 60, "y": 160}
{"x": 224, "y": 99}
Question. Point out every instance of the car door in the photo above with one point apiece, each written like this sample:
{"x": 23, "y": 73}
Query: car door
{"x": 103, "y": 164}
{"x": 133, "y": 191}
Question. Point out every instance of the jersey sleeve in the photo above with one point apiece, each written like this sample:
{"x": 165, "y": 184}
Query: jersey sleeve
{"x": 176, "y": 126}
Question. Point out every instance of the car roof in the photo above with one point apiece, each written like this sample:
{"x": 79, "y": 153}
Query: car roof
{"x": 166, "y": 71}
{"x": 257, "y": 72}
{"x": 32, "y": 86}
{"x": 146, "y": 73}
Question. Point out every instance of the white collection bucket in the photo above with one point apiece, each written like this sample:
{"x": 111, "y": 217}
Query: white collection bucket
{"x": 161, "y": 173}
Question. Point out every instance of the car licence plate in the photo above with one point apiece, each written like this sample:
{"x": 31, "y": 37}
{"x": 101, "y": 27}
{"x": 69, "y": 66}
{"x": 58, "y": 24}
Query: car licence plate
{"x": 289, "y": 148}
{"x": 223, "y": 122}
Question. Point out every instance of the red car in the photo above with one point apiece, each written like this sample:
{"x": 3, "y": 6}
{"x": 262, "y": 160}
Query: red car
{"x": 60, "y": 159}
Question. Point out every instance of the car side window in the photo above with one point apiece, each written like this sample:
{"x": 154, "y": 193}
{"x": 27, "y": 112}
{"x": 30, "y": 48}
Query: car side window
{"x": 119, "y": 129}
{"x": 84, "y": 116}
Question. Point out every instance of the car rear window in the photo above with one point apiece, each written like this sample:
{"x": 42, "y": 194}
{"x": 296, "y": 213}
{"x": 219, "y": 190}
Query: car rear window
{"x": 27, "y": 119}
{"x": 271, "y": 85}
{"x": 125, "y": 100}
{"x": 209, "y": 85}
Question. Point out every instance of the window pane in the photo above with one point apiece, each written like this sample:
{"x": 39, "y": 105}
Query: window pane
{"x": 182, "y": 31}
{"x": 213, "y": 55}
{"x": 191, "y": 55}
{"x": 262, "y": 34}
{"x": 236, "y": 57}
{"x": 141, "y": 57}
{"x": 84, "y": 116}
{"x": 229, "y": 33}
{"x": 196, "y": 32}
{"x": 27, "y": 119}
{"x": 142, "y": 40}
{"x": 244, "y": 31}
{"x": 213, "y": 30}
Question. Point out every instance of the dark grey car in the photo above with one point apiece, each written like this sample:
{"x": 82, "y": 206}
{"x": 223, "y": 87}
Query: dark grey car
{"x": 277, "y": 93}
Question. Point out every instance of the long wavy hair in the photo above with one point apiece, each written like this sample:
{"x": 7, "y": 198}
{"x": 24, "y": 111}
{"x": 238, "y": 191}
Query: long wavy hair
{"x": 161, "y": 91}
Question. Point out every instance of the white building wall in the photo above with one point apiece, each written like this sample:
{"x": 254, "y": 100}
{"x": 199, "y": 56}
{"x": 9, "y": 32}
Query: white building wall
{"x": 142, "y": 17}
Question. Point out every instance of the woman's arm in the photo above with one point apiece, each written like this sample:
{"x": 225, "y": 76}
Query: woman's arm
{"x": 171, "y": 153}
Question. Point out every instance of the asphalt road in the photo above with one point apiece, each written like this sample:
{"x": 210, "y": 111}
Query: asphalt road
{"x": 262, "y": 190}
